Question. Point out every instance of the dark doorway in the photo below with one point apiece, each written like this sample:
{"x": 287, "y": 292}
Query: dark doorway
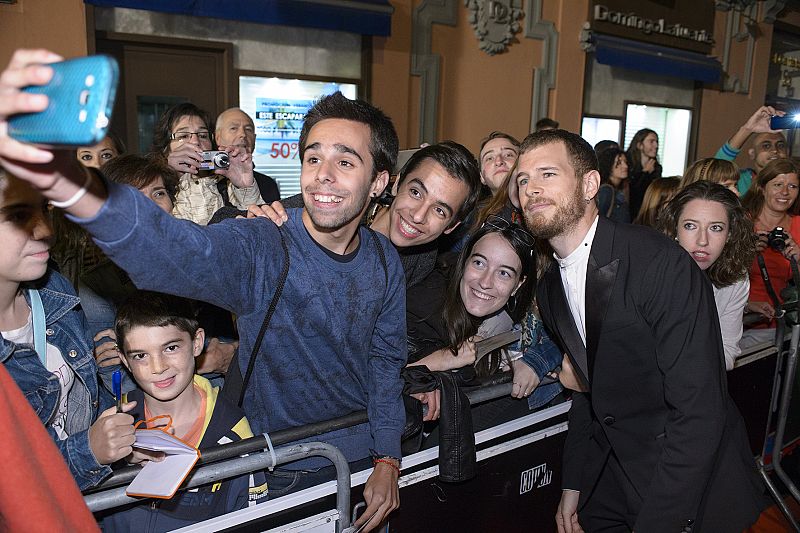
{"x": 156, "y": 73}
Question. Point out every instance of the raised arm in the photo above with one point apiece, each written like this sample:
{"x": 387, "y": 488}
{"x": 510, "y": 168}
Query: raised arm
{"x": 757, "y": 123}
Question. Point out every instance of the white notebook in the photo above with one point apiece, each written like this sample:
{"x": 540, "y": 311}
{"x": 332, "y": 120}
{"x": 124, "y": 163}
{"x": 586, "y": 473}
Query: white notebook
{"x": 161, "y": 479}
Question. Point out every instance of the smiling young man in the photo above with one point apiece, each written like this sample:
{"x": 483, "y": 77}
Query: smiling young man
{"x": 336, "y": 342}
{"x": 499, "y": 152}
{"x": 655, "y": 444}
{"x": 433, "y": 193}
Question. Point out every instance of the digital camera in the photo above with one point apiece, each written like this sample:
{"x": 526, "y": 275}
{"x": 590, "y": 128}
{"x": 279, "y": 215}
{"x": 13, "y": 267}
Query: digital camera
{"x": 214, "y": 159}
{"x": 776, "y": 239}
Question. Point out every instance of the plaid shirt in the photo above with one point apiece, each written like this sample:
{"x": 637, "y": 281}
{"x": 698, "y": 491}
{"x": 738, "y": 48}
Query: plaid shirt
{"x": 198, "y": 198}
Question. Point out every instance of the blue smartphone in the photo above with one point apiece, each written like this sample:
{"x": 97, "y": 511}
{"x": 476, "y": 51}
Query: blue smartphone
{"x": 81, "y": 95}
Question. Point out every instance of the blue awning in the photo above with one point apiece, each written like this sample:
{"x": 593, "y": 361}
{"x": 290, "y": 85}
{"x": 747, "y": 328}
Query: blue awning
{"x": 365, "y": 17}
{"x": 655, "y": 59}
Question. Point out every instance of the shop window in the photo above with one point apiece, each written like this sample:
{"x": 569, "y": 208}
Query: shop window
{"x": 278, "y": 106}
{"x": 672, "y": 124}
{"x": 596, "y": 129}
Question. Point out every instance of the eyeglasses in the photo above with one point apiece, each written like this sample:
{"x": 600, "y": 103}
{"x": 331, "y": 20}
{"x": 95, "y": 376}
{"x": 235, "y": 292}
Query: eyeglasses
{"x": 186, "y": 135}
{"x": 499, "y": 223}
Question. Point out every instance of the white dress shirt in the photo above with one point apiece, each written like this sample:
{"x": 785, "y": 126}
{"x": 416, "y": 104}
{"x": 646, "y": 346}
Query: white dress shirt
{"x": 573, "y": 278}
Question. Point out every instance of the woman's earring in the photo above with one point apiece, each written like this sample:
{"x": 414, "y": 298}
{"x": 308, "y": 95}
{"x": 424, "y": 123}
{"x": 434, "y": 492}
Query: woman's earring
{"x": 511, "y": 304}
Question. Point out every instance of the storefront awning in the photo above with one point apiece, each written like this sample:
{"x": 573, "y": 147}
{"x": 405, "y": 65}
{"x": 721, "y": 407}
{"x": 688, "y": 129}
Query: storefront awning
{"x": 655, "y": 59}
{"x": 365, "y": 17}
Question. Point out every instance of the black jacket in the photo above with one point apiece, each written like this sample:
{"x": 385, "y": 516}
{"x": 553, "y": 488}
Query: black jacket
{"x": 658, "y": 395}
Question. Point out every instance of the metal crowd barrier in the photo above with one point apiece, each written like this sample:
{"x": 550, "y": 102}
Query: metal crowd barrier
{"x": 782, "y": 393}
{"x": 249, "y": 455}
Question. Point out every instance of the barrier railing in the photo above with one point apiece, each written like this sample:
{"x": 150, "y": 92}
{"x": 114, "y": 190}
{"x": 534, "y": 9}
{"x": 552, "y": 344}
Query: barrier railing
{"x": 249, "y": 455}
{"x": 783, "y": 386}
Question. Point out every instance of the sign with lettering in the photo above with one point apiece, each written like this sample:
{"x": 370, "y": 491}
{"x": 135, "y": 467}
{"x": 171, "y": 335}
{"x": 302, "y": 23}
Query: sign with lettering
{"x": 535, "y": 478}
{"x": 684, "y": 24}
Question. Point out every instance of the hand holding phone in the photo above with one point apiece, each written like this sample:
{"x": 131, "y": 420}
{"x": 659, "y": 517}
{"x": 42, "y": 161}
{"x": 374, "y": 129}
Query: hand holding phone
{"x": 80, "y": 96}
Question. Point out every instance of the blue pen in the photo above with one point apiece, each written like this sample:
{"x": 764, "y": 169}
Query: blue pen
{"x": 116, "y": 381}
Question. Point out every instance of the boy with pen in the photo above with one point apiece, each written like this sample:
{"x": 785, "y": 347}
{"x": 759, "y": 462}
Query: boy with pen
{"x": 159, "y": 338}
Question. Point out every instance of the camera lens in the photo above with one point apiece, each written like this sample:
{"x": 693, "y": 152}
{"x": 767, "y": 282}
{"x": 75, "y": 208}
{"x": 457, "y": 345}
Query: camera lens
{"x": 222, "y": 160}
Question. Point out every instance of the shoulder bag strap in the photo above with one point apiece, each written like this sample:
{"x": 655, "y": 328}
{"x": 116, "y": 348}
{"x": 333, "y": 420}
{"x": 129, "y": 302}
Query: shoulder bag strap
{"x": 270, "y": 311}
{"x": 762, "y": 266}
{"x": 39, "y": 326}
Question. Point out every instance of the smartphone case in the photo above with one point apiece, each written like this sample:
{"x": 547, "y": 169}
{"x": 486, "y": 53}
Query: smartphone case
{"x": 786, "y": 122}
{"x": 81, "y": 96}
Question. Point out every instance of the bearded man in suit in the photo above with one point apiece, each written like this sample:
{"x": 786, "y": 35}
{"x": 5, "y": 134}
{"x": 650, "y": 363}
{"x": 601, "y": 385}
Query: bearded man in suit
{"x": 655, "y": 444}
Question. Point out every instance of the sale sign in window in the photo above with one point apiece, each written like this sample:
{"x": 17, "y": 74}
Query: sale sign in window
{"x": 278, "y": 107}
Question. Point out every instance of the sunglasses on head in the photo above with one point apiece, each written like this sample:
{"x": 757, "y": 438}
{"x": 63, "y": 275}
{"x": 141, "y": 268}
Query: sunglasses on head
{"x": 499, "y": 223}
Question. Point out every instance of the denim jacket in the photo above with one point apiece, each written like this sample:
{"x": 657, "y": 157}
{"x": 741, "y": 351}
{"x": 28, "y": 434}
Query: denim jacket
{"x": 542, "y": 355}
{"x": 66, "y": 329}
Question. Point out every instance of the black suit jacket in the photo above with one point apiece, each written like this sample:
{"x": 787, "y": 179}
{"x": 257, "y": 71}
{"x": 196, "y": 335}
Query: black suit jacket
{"x": 658, "y": 393}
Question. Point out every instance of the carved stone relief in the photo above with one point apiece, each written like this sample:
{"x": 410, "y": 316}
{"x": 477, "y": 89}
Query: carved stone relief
{"x": 495, "y": 22}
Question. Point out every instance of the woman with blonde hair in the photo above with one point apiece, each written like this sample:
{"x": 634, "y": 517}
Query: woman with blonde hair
{"x": 726, "y": 173}
{"x": 658, "y": 193}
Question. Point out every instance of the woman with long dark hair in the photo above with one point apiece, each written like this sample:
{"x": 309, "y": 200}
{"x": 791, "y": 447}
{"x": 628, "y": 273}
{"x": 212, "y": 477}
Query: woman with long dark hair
{"x": 489, "y": 291}
{"x": 612, "y": 197}
{"x": 643, "y": 165}
{"x": 709, "y": 222}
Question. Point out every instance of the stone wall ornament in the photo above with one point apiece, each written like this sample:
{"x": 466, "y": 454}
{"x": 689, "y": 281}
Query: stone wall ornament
{"x": 495, "y": 22}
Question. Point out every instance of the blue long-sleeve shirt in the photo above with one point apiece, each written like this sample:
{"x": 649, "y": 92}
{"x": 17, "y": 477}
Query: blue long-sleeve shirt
{"x": 729, "y": 153}
{"x": 336, "y": 343}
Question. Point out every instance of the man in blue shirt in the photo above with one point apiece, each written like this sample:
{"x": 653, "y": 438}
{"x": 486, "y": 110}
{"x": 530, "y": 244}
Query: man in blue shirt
{"x": 336, "y": 343}
{"x": 767, "y": 145}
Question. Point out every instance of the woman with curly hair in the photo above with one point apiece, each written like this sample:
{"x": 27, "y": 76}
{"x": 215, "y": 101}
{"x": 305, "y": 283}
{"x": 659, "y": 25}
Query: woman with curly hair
{"x": 709, "y": 222}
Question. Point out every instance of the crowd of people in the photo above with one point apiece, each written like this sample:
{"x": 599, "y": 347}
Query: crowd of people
{"x": 233, "y": 312}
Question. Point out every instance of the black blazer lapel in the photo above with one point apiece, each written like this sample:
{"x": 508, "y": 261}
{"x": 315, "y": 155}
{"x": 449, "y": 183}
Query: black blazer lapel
{"x": 601, "y": 272}
{"x": 563, "y": 322}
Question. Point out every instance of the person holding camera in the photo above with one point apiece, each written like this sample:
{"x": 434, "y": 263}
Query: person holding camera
{"x": 772, "y": 203}
{"x": 183, "y": 137}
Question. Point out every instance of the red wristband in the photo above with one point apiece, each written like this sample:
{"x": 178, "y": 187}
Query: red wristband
{"x": 388, "y": 462}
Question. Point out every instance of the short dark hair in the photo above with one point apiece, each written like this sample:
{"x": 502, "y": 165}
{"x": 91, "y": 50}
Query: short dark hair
{"x": 459, "y": 163}
{"x": 383, "y": 144}
{"x": 168, "y": 119}
{"x": 740, "y": 249}
{"x": 546, "y": 123}
{"x": 497, "y": 135}
{"x": 605, "y": 144}
{"x": 579, "y": 152}
{"x": 140, "y": 171}
{"x": 155, "y": 310}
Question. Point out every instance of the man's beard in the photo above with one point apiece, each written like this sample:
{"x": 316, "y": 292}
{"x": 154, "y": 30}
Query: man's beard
{"x": 564, "y": 219}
